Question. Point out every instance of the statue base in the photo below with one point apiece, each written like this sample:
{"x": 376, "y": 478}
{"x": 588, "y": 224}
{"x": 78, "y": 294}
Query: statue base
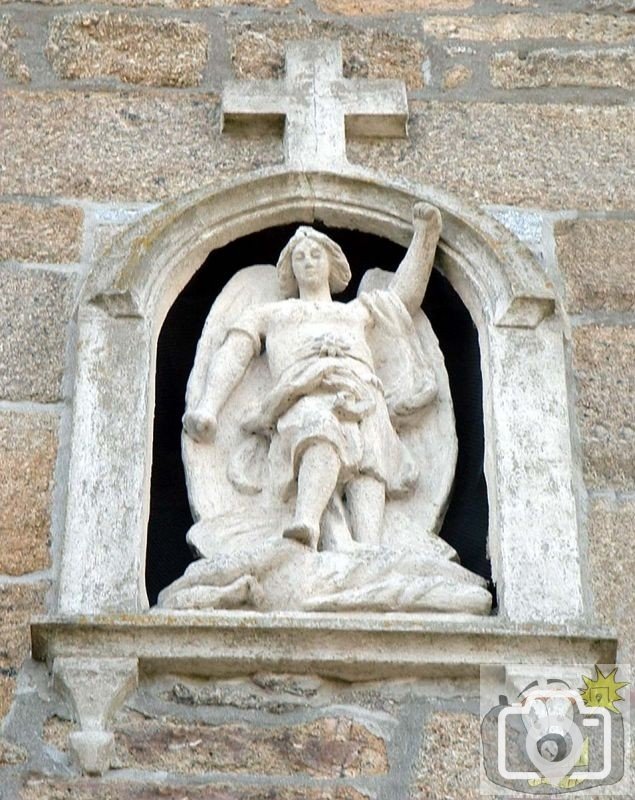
{"x": 260, "y": 570}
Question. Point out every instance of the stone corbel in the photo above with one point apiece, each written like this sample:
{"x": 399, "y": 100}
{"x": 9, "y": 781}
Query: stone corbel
{"x": 96, "y": 688}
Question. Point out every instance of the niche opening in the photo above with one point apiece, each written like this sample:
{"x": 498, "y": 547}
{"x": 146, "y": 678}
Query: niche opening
{"x": 466, "y": 521}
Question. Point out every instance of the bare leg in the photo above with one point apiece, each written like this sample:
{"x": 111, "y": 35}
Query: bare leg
{"x": 317, "y": 479}
{"x": 335, "y": 532}
{"x": 366, "y": 498}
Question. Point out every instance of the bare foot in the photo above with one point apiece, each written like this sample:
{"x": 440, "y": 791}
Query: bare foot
{"x": 302, "y": 533}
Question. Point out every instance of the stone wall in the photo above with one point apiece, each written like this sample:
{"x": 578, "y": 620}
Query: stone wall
{"x": 269, "y": 736}
{"x": 107, "y": 108}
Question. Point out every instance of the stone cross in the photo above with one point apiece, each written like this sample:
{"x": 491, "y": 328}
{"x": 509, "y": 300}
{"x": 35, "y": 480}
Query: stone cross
{"x": 318, "y": 106}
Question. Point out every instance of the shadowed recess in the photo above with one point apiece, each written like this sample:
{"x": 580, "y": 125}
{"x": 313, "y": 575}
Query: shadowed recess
{"x": 465, "y": 524}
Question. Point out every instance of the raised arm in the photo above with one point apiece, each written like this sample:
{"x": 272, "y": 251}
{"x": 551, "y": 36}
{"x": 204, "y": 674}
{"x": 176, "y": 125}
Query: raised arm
{"x": 224, "y": 374}
{"x": 411, "y": 278}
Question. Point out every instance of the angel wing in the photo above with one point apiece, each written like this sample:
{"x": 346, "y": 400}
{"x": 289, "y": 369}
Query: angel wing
{"x": 212, "y": 472}
{"x": 430, "y": 435}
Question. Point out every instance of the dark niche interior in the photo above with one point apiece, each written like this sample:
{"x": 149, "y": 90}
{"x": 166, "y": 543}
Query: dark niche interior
{"x": 465, "y": 524}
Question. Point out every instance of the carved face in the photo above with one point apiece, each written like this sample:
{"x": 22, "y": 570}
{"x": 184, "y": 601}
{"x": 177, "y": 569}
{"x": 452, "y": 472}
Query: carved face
{"x": 310, "y": 264}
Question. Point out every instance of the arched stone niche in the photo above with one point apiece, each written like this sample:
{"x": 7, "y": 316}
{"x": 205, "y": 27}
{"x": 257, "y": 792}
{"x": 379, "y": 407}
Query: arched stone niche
{"x": 533, "y": 534}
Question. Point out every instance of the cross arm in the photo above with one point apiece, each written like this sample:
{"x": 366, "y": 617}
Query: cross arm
{"x": 261, "y": 104}
{"x": 373, "y": 108}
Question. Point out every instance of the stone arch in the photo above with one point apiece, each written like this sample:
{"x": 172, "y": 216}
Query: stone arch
{"x": 129, "y": 291}
{"x": 153, "y": 260}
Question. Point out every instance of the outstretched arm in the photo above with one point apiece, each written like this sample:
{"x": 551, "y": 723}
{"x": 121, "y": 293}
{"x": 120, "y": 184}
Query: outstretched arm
{"x": 224, "y": 374}
{"x": 411, "y": 278}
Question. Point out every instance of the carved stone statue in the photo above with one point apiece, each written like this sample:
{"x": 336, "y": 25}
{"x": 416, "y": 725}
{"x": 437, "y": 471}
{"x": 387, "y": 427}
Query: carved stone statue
{"x": 319, "y": 441}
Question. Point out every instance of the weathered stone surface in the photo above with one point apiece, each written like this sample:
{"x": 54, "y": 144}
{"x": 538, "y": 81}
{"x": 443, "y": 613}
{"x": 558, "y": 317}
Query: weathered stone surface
{"x": 568, "y": 156}
{"x": 35, "y": 306}
{"x": 326, "y": 748}
{"x": 258, "y": 50}
{"x": 11, "y": 62}
{"x": 541, "y": 68}
{"x": 44, "y": 789}
{"x": 28, "y": 445}
{"x": 448, "y": 765}
{"x": 11, "y": 753}
{"x": 610, "y": 527}
{"x": 370, "y": 7}
{"x": 596, "y": 259}
{"x": 18, "y": 603}
{"x": 56, "y": 731}
{"x": 456, "y": 76}
{"x": 528, "y": 226}
{"x": 603, "y": 362}
{"x": 612, "y": 6}
{"x": 40, "y": 232}
{"x": 7, "y": 689}
{"x": 256, "y": 3}
{"x": 133, "y": 146}
{"x": 554, "y": 156}
{"x": 610, "y": 532}
{"x": 277, "y": 694}
{"x": 500, "y": 27}
{"x": 167, "y": 52}
{"x": 185, "y": 4}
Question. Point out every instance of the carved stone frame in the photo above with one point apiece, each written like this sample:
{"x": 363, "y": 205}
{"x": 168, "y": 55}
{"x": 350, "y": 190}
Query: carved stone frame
{"x": 533, "y": 532}
{"x": 101, "y": 631}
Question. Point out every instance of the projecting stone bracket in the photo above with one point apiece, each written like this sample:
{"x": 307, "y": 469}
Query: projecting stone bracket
{"x": 95, "y": 688}
{"x": 96, "y": 659}
{"x": 351, "y": 647}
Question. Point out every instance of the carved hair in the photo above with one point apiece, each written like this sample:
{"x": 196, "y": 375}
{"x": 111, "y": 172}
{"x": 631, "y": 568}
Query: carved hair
{"x": 339, "y": 269}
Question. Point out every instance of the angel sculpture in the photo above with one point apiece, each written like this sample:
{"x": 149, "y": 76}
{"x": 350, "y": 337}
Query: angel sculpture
{"x": 319, "y": 441}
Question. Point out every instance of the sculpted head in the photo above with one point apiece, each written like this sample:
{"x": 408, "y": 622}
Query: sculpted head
{"x": 311, "y": 258}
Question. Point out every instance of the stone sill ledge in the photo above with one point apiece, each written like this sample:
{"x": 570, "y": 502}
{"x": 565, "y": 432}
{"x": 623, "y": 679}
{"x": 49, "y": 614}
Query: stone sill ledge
{"x": 351, "y": 647}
